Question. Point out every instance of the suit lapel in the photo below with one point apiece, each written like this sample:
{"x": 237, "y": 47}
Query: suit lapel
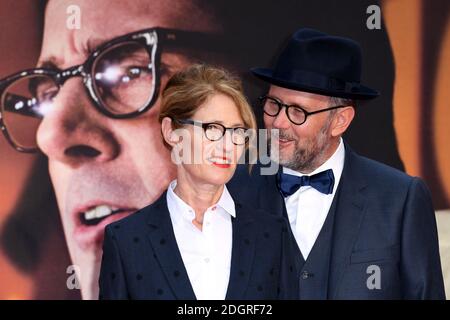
{"x": 349, "y": 215}
{"x": 164, "y": 244}
{"x": 271, "y": 199}
{"x": 243, "y": 252}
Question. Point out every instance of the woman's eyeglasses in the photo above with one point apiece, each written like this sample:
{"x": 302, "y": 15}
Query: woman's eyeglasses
{"x": 215, "y": 131}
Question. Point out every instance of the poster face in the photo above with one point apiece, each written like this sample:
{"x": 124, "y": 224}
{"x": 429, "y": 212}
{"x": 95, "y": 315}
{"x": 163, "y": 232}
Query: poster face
{"x": 66, "y": 174}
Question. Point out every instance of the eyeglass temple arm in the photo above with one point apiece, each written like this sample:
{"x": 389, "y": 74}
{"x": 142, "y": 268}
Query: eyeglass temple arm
{"x": 189, "y": 121}
{"x": 323, "y": 110}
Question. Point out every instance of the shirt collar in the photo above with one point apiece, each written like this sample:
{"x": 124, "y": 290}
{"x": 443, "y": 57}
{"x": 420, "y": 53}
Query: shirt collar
{"x": 225, "y": 202}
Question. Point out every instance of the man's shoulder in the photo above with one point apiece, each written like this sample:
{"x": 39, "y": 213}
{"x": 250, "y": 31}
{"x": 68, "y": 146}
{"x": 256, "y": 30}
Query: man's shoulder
{"x": 377, "y": 171}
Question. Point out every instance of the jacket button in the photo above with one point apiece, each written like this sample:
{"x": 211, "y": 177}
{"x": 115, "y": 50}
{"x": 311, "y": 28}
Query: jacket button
{"x": 306, "y": 275}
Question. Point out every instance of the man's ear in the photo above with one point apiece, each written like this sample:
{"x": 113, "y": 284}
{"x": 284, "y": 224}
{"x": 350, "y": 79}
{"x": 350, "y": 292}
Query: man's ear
{"x": 168, "y": 133}
{"x": 342, "y": 120}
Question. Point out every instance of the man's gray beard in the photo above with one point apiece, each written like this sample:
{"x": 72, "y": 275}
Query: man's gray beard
{"x": 307, "y": 158}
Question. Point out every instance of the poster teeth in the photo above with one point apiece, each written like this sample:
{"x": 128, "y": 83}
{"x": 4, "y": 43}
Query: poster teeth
{"x": 98, "y": 212}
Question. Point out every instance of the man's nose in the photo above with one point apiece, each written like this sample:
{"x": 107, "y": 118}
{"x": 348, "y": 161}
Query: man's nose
{"x": 74, "y": 132}
{"x": 281, "y": 121}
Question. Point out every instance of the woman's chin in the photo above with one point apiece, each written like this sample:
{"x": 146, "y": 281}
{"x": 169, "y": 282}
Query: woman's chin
{"x": 219, "y": 176}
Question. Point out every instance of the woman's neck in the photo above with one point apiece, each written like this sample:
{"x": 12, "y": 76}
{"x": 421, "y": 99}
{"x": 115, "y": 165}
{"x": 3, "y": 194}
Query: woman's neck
{"x": 199, "y": 196}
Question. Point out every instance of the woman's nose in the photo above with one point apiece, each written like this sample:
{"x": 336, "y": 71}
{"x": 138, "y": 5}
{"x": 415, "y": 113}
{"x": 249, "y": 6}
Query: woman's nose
{"x": 227, "y": 139}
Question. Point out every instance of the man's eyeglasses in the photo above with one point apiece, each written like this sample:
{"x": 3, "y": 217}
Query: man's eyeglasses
{"x": 215, "y": 131}
{"x": 121, "y": 77}
{"x": 296, "y": 114}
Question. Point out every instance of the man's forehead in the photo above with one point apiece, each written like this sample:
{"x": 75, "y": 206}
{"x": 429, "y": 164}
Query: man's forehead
{"x": 291, "y": 96}
{"x": 102, "y": 20}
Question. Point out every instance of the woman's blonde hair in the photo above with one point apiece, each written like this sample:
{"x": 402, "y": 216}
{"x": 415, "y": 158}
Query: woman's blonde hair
{"x": 188, "y": 89}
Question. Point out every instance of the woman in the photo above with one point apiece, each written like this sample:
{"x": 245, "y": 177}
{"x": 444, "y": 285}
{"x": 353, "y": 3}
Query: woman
{"x": 195, "y": 242}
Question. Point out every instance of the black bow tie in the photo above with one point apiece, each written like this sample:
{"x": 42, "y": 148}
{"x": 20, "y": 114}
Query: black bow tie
{"x": 323, "y": 182}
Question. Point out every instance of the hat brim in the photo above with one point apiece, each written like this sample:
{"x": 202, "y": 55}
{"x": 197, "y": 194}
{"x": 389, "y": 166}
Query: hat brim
{"x": 361, "y": 93}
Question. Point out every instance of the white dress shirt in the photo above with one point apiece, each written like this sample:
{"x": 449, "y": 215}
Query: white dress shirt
{"x": 207, "y": 253}
{"x": 308, "y": 208}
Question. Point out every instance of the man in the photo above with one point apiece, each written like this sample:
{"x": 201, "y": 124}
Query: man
{"x": 98, "y": 127}
{"x": 364, "y": 230}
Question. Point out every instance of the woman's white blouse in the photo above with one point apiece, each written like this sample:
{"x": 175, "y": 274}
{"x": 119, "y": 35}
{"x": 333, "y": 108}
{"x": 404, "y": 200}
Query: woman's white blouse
{"x": 206, "y": 254}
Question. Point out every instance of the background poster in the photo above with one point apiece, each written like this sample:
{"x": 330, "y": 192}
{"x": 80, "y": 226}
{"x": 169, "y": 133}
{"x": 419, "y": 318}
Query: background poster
{"x": 407, "y": 59}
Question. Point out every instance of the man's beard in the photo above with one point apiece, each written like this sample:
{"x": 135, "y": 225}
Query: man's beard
{"x": 308, "y": 154}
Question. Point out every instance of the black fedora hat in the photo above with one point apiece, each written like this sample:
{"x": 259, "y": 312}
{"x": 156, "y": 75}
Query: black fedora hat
{"x": 316, "y": 62}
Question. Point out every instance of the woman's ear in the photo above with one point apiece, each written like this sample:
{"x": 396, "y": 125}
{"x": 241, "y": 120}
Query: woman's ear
{"x": 168, "y": 133}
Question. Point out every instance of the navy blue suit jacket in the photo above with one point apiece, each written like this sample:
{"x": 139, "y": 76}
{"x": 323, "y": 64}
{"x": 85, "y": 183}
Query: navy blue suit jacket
{"x": 383, "y": 218}
{"x": 141, "y": 259}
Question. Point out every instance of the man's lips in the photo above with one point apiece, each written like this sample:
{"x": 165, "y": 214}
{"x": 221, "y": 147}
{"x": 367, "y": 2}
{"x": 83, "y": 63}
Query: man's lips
{"x": 91, "y": 220}
{"x": 284, "y": 142}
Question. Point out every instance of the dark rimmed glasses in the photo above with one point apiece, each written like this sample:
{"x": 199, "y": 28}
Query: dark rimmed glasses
{"x": 215, "y": 131}
{"x": 121, "y": 77}
{"x": 296, "y": 114}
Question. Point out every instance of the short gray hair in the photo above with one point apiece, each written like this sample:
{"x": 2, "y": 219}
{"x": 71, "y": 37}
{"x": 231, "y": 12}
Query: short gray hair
{"x": 336, "y": 101}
